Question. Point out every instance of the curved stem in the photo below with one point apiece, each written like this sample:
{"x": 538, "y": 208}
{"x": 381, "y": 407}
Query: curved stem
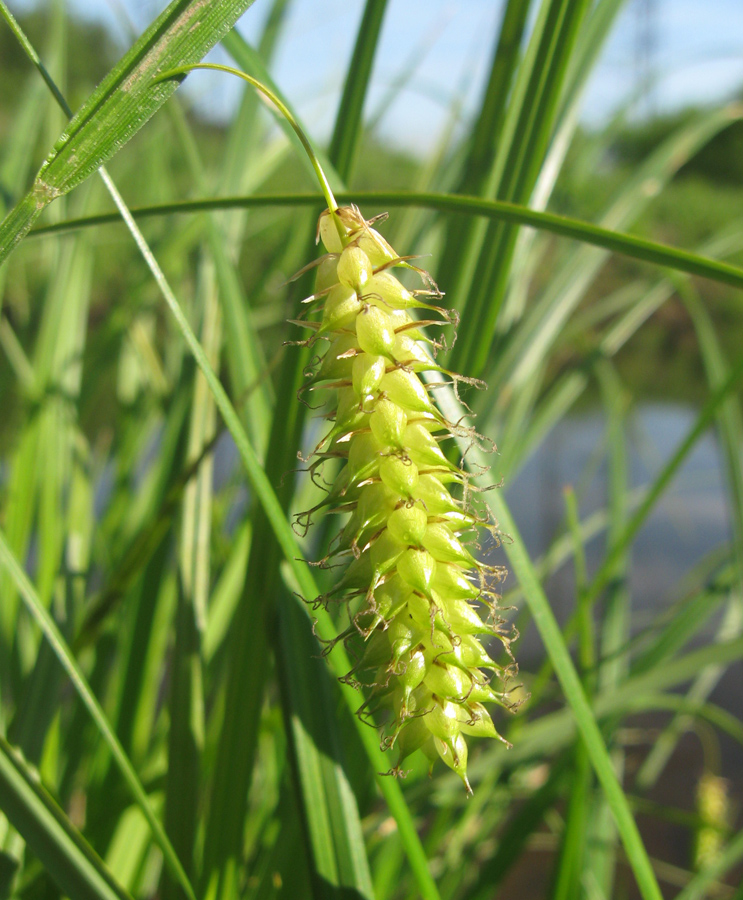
{"x": 286, "y": 113}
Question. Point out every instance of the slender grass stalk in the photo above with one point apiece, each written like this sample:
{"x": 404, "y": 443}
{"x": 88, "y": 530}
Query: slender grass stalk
{"x": 63, "y": 654}
{"x": 615, "y": 241}
{"x": 273, "y": 98}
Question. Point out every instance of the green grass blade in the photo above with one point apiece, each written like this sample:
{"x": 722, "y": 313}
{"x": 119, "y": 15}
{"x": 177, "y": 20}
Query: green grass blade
{"x": 484, "y": 142}
{"x": 348, "y": 125}
{"x": 528, "y": 252}
{"x": 187, "y": 700}
{"x": 121, "y": 104}
{"x": 461, "y": 279}
{"x": 276, "y": 517}
{"x": 63, "y": 654}
{"x": 64, "y": 853}
{"x": 524, "y": 823}
{"x": 698, "y": 887}
{"x": 533, "y": 131}
{"x": 225, "y": 594}
{"x": 730, "y": 430}
{"x": 616, "y": 241}
{"x": 571, "y": 858}
{"x": 615, "y": 630}
{"x": 464, "y": 235}
{"x": 637, "y": 520}
{"x": 553, "y": 642}
{"x": 128, "y": 848}
{"x": 532, "y": 341}
{"x": 149, "y": 621}
{"x": 590, "y": 42}
{"x": 310, "y": 706}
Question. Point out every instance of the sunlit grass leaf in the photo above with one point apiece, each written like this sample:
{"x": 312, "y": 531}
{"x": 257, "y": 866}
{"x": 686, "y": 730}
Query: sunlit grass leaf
{"x": 65, "y": 854}
{"x": 122, "y": 103}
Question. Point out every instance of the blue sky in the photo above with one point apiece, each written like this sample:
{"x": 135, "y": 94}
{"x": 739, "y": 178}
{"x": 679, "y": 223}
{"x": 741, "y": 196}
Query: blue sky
{"x": 697, "y": 57}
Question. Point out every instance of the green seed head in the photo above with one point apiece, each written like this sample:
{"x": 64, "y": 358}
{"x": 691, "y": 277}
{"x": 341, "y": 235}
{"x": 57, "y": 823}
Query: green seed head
{"x": 354, "y": 268}
{"x": 375, "y": 332}
{"x": 419, "y": 597}
{"x": 388, "y": 422}
{"x": 341, "y": 308}
{"x": 408, "y": 524}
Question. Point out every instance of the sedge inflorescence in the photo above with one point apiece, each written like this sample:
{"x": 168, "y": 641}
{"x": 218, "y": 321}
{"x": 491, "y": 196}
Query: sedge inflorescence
{"x": 419, "y": 598}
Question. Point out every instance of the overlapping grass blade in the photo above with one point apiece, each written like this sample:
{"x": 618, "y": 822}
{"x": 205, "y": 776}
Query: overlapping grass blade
{"x": 698, "y": 887}
{"x": 533, "y": 339}
{"x": 122, "y": 103}
{"x": 616, "y": 241}
{"x": 533, "y": 125}
{"x": 63, "y": 654}
{"x": 570, "y": 863}
{"x": 459, "y": 269}
{"x": 66, "y": 856}
{"x": 615, "y": 629}
{"x": 522, "y": 825}
{"x": 730, "y": 429}
{"x": 310, "y": 704}
{"x": 348, "y": 122}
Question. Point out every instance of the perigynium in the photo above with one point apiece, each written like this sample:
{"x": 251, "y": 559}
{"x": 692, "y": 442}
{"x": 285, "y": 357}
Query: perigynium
{"x": 418, "y": 596}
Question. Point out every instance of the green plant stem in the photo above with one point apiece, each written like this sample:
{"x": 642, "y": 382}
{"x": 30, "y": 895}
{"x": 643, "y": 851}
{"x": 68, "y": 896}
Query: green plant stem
{"x": 67, "y": 857}
{"x": 61, "y": 651}
{"x": 287, "y": 541}
{"x": 618, "y": 242}
{"x": 572, "y": 688}
{"x": 285, "y": 112}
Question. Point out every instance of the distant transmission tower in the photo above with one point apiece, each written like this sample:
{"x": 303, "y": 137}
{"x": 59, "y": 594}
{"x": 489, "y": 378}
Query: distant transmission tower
{"x": 646, "y": 46}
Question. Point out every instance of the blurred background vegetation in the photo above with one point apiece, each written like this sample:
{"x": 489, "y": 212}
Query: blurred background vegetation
{"x": 111, "y": 497}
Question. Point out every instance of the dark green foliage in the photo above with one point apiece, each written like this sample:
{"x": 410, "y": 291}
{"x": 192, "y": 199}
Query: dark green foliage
{"x": 156, "y": 662}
